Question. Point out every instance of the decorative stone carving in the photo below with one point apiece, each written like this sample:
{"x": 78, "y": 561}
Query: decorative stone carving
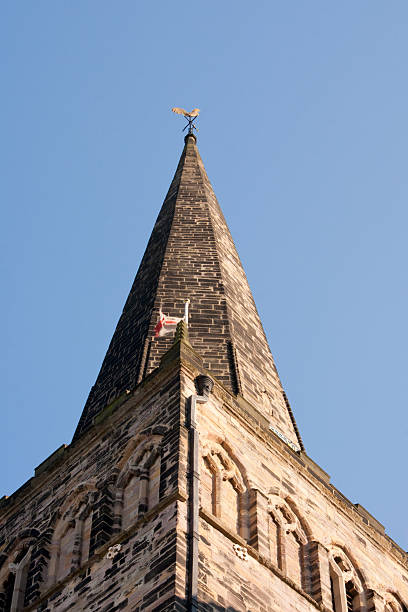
{"x": 223, "y": 487}
{"x": 392, "y": 604}
{"x": 204, "y": 385}
{"x": 181, "y": 332}
{"x": 226, "y": 467}
{"x": 241, "y": 552}
{"x": 285, "y": 517}
{"x": 287, "y": 539}
{"x": 113, "y": 551}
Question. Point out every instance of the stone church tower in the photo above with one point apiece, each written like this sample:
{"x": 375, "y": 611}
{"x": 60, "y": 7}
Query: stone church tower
{"x": 186, "y": 485}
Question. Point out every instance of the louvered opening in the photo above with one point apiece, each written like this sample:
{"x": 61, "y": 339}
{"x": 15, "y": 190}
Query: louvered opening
{"x": 350, "y": 594}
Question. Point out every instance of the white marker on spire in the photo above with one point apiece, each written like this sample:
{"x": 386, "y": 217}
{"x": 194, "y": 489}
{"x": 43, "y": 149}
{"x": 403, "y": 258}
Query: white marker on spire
{"x": 186, "y": 311}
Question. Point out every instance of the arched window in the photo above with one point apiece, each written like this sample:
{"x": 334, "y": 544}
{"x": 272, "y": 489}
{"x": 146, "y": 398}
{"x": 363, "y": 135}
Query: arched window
{"x": 15, "y": 563}
{"x": 15, "y": 585}
{"x": 287, "y": 539}
{"x": 346, "y": 588}
{"x": 138, "y": 483}
{"x": 222, "y": 487}
{"x": 71, "y": 537}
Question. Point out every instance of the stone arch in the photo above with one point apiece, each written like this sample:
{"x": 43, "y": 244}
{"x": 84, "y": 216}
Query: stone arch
{"x": 71, "y": 536}
{"x": 148, "y": 432}
{"x": 303, "y": 524}
{"x": 288, "y": 537}
{"x": 393, "y": 603}
{"x": 224, "y": 487}
{"x": 15, "y": 563}
{"x": 233, "y": 453}
{"x": 346, "y": 581}
{"x": 137, "y": 484}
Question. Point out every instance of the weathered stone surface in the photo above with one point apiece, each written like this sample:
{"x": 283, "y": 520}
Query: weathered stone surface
{"x": 70, "y": 564}
{"x": 191, "y": 255}
{"x": 270, "y": 528}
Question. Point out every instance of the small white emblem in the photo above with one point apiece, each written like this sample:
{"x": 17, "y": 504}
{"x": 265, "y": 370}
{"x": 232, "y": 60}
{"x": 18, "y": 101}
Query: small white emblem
{"x": 241, "y": 552}
{"x": 113, "y": 551}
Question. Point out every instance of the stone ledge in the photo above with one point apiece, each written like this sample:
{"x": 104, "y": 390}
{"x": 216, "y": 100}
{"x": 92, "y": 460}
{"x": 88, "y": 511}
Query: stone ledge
{"x": 50, "y": 460}
{"x": 369, "y": 518}
{"x": 314, "y": 468}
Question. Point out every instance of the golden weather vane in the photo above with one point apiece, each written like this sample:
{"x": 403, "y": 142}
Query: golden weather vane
{"x": 191, "y": 117}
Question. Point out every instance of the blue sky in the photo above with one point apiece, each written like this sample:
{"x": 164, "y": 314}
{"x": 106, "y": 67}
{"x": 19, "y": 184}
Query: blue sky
{"x": 303, "y": 132}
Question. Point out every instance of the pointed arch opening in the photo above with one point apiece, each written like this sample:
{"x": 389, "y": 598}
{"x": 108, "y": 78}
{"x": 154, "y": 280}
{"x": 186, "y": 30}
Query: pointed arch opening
{"x": 223, "y": 486}
{"x": 138, "y": 482}
{"x": 15, "y": 564}
{"x": 347, "y": 591}
{"x": 287, "y": 539}
{"x": 14, "y": 587}
{"x": 70, "y": 541}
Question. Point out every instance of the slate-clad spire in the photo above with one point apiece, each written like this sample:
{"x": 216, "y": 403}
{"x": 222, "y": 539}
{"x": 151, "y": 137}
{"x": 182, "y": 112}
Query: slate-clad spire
{"x": 191, "y": 254}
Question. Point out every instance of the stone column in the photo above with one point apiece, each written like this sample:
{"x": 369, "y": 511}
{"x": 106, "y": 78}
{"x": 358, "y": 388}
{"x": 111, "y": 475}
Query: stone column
{"x": 76, "y": 551}
{"x": 144, "y": 491}
{"x": 216, "y": 501}
{"x": 258, "y": 522}
{"x": 117, "y": 511}
{"x": 317, "y": 561}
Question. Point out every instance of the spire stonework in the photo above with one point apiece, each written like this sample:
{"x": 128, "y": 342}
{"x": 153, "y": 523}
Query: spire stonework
{"x": 191, "y": 252}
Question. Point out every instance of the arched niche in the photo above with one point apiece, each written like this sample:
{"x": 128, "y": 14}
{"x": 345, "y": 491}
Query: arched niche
{"x": 70, "y": 541}
{"x": 137, "y": 486}
{"x": 223, "y": 487}
{"x": 288, "y": 537}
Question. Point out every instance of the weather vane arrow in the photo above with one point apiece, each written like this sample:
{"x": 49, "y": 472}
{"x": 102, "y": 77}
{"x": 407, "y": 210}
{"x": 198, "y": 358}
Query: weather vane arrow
{"x": 191, "y": 117}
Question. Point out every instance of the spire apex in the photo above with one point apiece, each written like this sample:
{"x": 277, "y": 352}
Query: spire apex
{"x": 190, "y": 137}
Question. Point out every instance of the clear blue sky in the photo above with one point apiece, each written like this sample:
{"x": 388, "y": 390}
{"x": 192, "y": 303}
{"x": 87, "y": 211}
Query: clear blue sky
{"x": 304, "y": 135}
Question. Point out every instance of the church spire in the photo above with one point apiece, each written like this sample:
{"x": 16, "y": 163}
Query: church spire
{"x": 191, "y": 254}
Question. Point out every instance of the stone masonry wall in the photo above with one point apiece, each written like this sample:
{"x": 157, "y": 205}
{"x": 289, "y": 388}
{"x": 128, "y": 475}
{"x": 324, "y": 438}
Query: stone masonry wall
{"x": 274, "y": 534}
{"x": 292, "y": 524}
{"x": 88, "y": 481}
